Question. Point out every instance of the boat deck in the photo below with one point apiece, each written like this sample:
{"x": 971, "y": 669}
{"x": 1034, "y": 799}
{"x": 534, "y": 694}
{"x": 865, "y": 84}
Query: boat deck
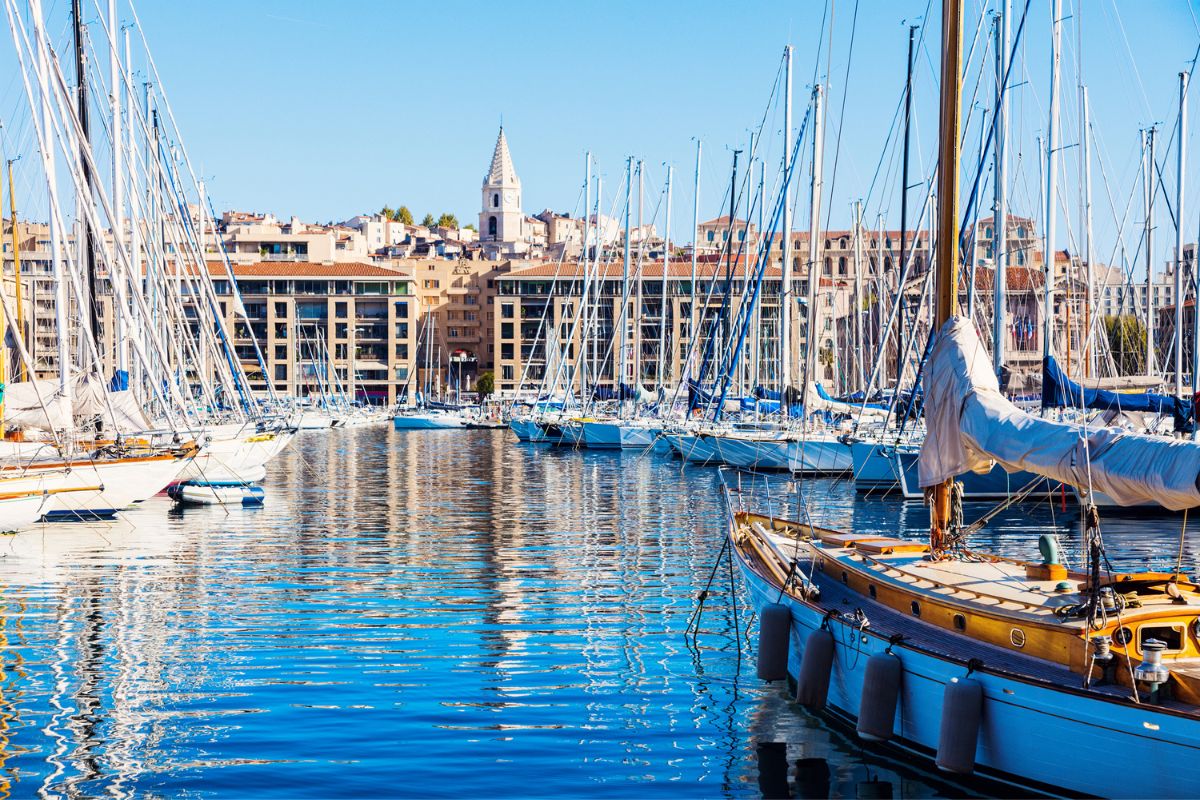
{"x": 953, "y": 646}
{"x": 984, "y": 584}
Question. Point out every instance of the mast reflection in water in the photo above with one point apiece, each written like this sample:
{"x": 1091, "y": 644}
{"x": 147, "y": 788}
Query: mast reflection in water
{"x": 438, "y": 613}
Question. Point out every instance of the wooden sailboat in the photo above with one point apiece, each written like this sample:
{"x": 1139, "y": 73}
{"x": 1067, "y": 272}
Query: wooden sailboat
{"x": 1042, "y": 678}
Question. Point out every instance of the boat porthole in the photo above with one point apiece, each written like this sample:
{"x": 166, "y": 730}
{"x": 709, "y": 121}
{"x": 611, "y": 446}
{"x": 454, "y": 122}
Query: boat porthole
{"x": 845, "y": 577}
{"x": 916, "y": 608}
{"x": 1122, "y": 636}
{"x": 871, "y": 591}
{"x": 1017, "y": 637}
{"x": 960, "y": 622}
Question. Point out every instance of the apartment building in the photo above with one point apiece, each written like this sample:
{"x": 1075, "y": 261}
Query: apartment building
{"x": 343, "y": 327}
{"x": 537, "y": 334}
{"x": 456, "y": 307}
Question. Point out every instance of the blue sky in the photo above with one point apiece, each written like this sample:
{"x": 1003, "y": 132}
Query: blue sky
{"x": 327, "y": 110}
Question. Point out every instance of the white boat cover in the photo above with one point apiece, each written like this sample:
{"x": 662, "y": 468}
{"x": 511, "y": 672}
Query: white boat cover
{"x": 121, "y": 411}
{"x": 24, "y": 411}
{"x": 970, "y": 425}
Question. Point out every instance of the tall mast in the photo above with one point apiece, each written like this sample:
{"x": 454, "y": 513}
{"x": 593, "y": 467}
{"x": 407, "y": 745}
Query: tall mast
{"x": 637, "y": 286}
{"x": 581, "y": 358}
{"x": 880, "y": 287}
{"x": 623, "y": 333}
{"x": 1000, "y": 193}
{"x": 763, "y": 242}
{"x": 1086, "y": 142}
{"x": 664, "y": 363}
{"x": 785, "y": 286}
{"x": 93, "y": 285}
{"x": 695, "y": 250}
{"x": 859, "y": 345}
{"x": 947, "y": 240}
{"x": 595, "y": 343}
{"x": 814, "y": 253}
{"x": 1179, "y": 196}
{"x": 22, "y": 335}
{"x": 49, "y": 159}
{"x": 912, "y": 34}
{"x": 1051, "y": 218}
{"x": 121, "y": 378}
{"x": 1148, "y": 192}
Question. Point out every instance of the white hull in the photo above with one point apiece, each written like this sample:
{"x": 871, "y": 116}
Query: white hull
{"x": 236, "y": 454}
{"x": 428, "y": 420}
{"x": 617, "y": 435}
{"x": 98, "y": 489}
{"x": 820, "y": 455}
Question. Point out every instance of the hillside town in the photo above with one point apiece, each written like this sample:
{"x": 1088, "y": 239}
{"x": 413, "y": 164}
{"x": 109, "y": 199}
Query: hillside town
{"x": 400, "y": 305}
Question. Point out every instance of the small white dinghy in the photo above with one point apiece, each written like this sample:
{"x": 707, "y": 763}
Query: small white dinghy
{"x": 217, "y": 493}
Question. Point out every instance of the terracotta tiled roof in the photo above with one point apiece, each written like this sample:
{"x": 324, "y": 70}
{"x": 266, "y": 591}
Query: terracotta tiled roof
{"x": 306, "y": 269}
{"x": 1018, "y": 279}
{"x": 681, "y": 269}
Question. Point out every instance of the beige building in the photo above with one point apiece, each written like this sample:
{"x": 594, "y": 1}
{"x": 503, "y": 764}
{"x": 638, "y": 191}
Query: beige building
{"x": 536, "y": 334}
{"x": 347, "y": 327}
{"x": 251, "y": 238}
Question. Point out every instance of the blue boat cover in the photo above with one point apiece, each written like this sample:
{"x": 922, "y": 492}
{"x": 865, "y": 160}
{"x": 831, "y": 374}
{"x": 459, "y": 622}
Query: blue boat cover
{"x": 1059, "y": 391}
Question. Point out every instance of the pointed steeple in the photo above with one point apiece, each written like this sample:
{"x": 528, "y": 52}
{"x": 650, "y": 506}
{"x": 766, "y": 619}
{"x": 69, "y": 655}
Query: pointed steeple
{"x": 502, "y": 172}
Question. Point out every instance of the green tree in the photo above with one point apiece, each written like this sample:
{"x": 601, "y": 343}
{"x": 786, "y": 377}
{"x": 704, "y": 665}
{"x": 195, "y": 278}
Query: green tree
{"x": 429, "y": 221}
{"x": 1127, "y": 343}
{"x": 387, "y": 212}
{"x": 447, "y": 220}
{"x": 470, "y": 226}
{"x": 403, "y": 215}
{"x": 485, "y": 384}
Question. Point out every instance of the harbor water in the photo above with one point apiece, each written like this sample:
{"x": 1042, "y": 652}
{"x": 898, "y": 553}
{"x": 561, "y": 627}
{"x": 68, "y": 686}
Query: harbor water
{"x": 439, "y": 614}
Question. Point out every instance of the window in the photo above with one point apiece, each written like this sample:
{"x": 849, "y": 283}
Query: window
{"x": 710, "y": 236}
{"x": 842, "y": 265}
{"x": 828, "y": 265}
{"x": 281, "y": 309}
{"x": 341, "y": 330}
{"x": 506, "y": 372}
{"x": 280, "y": 330}
{"x": 506, "y": 350}
{"x": 340, "y": 351}
{"x": 281, "y": 352}
{"x": 495, "y": 202}
{"x": 506, "y": 310}
{"x": 402, "y": 309}
{"x": 402, "y": 351}
{"x": 340, "y": 310}
{"x": 506, "y": 330}
{"x": 432, "y": 284}
{"x": 492, "y": 226}
{"x": 401, "y": 330}
{"x": 453, "y": 333}
{"x": 281, "y": 372}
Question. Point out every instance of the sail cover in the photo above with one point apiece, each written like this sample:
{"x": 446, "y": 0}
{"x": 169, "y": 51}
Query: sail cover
{"x": 970, "y": 425}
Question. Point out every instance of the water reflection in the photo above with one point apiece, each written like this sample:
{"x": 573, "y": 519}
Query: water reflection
{"x": 433, "y": 614}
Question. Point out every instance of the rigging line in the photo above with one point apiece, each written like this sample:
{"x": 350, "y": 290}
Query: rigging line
{"x": 1132, "y": 61}
{"x": 837, "y": 146}
{"x": 894, "y": 124}
{"x": 817, "y": 55}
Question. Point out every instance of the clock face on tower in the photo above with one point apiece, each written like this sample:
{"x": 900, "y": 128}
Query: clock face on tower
{"x": 509, "y": 198}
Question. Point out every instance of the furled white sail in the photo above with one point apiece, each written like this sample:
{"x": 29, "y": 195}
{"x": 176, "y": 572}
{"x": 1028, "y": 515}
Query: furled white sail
{"x": 970, "y": 425}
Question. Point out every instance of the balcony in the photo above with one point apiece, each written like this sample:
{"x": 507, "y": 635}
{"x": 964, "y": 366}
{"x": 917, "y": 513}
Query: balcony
{"x": 370, "y": 332}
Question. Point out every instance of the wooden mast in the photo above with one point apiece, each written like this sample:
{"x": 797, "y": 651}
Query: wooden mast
{"x": 947, "y": 240}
